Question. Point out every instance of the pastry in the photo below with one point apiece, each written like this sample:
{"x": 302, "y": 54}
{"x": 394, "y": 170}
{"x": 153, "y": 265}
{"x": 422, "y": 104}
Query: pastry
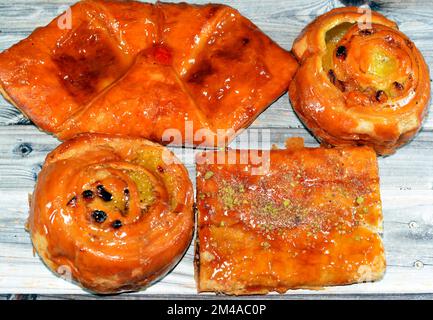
{"x": 172, "y": 73}
{"x": 309, "y": 219}
{"x": 360, "y": 82}
{"x": 112, "y": 213}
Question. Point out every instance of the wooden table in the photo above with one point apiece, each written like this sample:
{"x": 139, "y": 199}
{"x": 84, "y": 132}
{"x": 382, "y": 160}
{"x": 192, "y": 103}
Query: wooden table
{"x": 406, "y": 177}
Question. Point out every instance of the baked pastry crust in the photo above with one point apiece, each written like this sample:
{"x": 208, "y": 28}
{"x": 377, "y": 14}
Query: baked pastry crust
{"x": 151, "y": 70}
{"x": 112, "y": 213}
{"x": 359, "y": 81}
{"x": 312, "y": 220}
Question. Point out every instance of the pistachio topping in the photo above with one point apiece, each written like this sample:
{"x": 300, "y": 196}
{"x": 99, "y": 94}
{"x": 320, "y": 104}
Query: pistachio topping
{"x": 228, "y": 196}
{"x": 265, "y": 245}
{"x": 208, "y": 175}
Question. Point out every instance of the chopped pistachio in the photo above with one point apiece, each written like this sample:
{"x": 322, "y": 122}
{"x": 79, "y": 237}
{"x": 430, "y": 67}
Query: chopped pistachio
{"x": 228, "y": 197}
{"x": 207, "y": 256}
{"x": 208, "y": 175}
{"x": 201, "y": 196}
{"x": 269, "y": 208}
{"x": 265, "y": 244}
{"x": 359, "y": 200}
{"x": 286, "y": 203}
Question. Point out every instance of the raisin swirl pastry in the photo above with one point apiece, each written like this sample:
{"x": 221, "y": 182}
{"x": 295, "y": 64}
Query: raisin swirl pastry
{"x": 359, "y": 83}
{"x": 116, "y": 212}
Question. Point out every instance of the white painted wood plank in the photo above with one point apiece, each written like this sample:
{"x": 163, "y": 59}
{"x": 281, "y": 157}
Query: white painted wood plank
{"x": 410, "y": 168}
{"x": 408, "y": 241}
{"x": 407, "y": 195}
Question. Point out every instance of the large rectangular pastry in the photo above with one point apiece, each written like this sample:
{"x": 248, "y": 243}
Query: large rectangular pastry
{"x": 310, "y": 217}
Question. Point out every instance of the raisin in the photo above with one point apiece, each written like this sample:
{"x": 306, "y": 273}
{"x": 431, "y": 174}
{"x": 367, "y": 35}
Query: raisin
{"x": 99, "y": 216}
{"x": 332, "y": 77}
{"x": 126, "y": 197}
{"x": 341, "y": 85}
{"x": 104, "y": 194}
{"x": 88, "y": 194}
{"x": 398, "y": 85}
{"x": 381, "y": 96}
{"x": 366, "y": 32}
{"x": 116, "y": 224}
{"x": 72, "y": 202}
{"x": 341, "y": 52}
{"x": 160, "y": 169}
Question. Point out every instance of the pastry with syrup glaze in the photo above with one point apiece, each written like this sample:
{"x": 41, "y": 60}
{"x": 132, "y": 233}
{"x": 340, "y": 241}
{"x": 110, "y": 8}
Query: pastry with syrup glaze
{"x": 360, "y": 82}
{"x": 297, "y": 218}
{"x": 171, "y": 73}
{"x": 112, "y": 213}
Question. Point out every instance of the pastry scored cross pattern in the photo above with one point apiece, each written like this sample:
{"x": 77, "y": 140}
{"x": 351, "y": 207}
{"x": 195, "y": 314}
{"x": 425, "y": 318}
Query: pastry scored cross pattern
{"x": 149, "y": 70}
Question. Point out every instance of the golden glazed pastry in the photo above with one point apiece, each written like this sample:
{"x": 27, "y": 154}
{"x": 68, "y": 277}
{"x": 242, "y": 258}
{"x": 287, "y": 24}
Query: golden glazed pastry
{"x": 311, "y": 220}
{"x": 359, "y": 83}
{"x": 167, "y": 72}
{"x": 116, "y": 213}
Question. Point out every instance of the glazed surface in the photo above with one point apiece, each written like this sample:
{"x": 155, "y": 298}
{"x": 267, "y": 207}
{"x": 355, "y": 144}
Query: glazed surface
{"x": 139, "y": 69}
{"x": 312, "y": 220}
{"x": 360, "y": 81}
{"x": 112, "y": 213}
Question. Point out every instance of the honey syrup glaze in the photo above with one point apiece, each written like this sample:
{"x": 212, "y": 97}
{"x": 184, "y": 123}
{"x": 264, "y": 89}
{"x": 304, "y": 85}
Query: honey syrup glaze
{"x": 311, "y": 220}
{"x": 116, "y": 213}
{"x": 140, "y": 69}
{"x": 359, "y": 83}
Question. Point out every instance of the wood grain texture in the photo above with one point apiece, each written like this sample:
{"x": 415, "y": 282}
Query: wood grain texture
{"x": 406, "y": 177}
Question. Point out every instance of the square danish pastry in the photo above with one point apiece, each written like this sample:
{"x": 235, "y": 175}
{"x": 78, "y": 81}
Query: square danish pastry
{"x": 171, "y": 73}
{"x": 307, "y": 218}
